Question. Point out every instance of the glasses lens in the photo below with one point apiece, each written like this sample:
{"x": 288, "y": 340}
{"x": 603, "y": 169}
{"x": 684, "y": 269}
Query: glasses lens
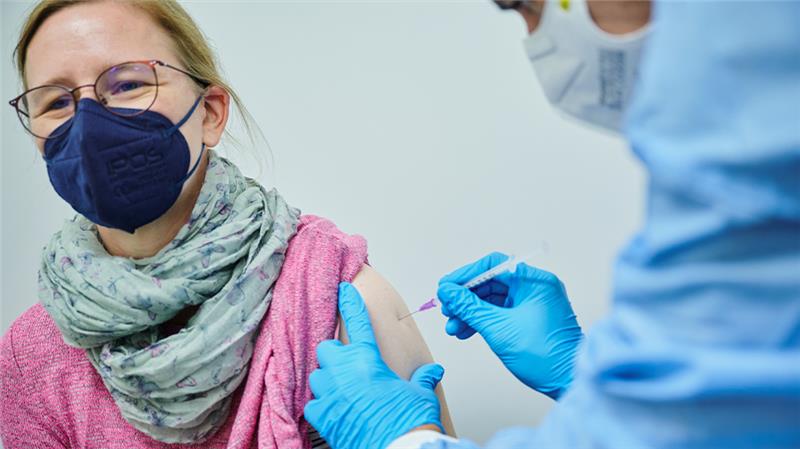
{"x": 44, "y": 109}
{"x": 127, "y": 89}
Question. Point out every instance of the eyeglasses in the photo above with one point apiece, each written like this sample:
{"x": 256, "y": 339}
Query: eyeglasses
{"x": 127, "y": 90}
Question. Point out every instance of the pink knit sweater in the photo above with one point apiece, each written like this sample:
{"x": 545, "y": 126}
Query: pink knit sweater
{"x": 52, "y": 397}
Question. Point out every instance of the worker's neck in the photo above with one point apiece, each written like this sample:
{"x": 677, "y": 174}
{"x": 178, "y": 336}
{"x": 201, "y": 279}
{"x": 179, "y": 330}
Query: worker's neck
{"x": 620, "y": 17}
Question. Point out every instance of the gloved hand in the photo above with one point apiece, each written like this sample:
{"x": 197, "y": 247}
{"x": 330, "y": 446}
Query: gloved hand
{"x": 360, "y": 402}
{"x": 524, "y": 316}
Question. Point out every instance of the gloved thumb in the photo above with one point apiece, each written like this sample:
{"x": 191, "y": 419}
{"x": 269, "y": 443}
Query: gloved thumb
{"x": 467, "y": 306}
{"x": 428, "y": 376}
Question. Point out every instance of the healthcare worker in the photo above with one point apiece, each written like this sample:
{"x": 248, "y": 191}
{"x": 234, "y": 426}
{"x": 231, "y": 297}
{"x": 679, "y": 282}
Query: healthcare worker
{"x": 702, "y": 345}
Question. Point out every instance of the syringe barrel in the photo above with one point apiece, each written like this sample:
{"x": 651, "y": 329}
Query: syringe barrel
{"x": 508, "y": 265}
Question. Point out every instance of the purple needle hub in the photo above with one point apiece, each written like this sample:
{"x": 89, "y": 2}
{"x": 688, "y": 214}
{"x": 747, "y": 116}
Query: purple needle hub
{"x": 428, "y": 305}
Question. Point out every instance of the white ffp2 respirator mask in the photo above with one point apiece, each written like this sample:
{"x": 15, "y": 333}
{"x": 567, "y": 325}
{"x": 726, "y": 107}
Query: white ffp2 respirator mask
{"x": 584, "y": 71}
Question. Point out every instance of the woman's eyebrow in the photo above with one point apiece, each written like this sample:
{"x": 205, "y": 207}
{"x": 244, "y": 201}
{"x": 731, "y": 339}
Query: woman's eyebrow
{"x": 63, "y": 80}
{"x": 59, "y": 80}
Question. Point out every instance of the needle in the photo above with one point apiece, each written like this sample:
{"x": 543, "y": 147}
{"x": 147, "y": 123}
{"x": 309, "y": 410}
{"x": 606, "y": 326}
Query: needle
{"x": 509, "y": 265}
{"x": 433, "y": 302}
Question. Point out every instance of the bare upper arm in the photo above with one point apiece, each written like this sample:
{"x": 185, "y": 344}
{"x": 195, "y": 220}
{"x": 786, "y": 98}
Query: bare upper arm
{"x": 401, "y": 344}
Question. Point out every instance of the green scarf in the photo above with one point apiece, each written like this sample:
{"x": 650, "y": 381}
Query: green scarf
{"x": 226, "y": 259}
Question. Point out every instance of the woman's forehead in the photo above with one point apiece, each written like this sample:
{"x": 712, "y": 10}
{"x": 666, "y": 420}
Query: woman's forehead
{"x": 75, "y": 44}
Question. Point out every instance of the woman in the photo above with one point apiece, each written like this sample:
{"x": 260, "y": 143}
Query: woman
{"x": 183, "y": 303}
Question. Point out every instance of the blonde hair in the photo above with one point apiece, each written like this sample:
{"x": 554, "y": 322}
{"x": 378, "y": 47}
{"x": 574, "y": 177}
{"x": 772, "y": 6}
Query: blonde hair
{"x": 189, "y": 42}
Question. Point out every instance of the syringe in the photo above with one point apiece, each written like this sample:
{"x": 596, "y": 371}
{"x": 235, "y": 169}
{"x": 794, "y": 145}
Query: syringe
{"x": 509, "y": 265}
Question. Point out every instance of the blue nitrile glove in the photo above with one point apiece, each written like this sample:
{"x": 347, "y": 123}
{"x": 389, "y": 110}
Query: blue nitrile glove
{"x": 524, "y": 316}
{"x": 360, "y": 402}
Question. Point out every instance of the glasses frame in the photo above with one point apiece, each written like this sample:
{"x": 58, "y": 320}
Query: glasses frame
{"x": 152, "y": 63}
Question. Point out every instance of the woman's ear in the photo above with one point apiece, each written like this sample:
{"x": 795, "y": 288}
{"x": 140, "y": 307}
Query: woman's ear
{"x": 216, "y": 102}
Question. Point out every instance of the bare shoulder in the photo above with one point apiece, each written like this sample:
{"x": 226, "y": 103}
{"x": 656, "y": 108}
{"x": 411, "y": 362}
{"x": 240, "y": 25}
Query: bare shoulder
{"x": 401, "y": 344}
{"x": 400, "y": 341}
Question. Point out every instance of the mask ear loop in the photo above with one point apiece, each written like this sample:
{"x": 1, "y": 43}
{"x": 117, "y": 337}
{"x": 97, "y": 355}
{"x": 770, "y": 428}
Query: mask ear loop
{"x": 175, "y": 127}
{"x": 202, "y": 149}
{"x": 194, "y": 167}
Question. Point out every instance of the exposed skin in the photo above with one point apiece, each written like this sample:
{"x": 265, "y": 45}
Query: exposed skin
{"x": 612, "y": 16}
{"x": 620, "y": 17}
{"x": 401, "y": 345}
{"x": 73, "y": 46}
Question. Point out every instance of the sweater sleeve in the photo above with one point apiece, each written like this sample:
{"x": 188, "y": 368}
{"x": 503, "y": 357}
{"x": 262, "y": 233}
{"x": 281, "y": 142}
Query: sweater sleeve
{"x": 25, "y": 421}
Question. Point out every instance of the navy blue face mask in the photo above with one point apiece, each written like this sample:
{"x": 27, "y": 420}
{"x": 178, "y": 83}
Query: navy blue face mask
{"x": 119, "y": 172}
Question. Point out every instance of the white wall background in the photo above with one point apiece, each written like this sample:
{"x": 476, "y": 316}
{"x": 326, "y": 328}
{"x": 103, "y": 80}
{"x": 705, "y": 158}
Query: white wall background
{"x": 419, "y": 125}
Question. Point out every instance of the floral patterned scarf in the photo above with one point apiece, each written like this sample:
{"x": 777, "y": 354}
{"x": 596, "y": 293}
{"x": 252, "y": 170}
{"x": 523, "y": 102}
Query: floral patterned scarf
{"x": 226, "y": 259}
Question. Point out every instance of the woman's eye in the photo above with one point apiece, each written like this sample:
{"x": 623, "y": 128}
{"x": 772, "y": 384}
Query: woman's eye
{"x": 126, "y": 86}
{"x": 61, "y": 103}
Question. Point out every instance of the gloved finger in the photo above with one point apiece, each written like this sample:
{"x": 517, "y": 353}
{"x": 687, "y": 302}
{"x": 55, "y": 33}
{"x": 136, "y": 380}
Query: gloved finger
{"x": 467, "y": 306}
{"x": 455, "y": 326}
{"x": 445, "y": 310}
{"x": 320, "y": 383}
{"x": 459, "y": 329}
{"x": 328, "y": 352}
{"x": 493, "y": 292}
{"x": 471, "y": 270}
{"x": 532, "y": 274}
{"x": 428, "y": 376}
{"x": 490, "y": 291}
{"x": 466, "y": 333}
{"x": 355, "y": 315}
{"x": 314, "y": 411}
